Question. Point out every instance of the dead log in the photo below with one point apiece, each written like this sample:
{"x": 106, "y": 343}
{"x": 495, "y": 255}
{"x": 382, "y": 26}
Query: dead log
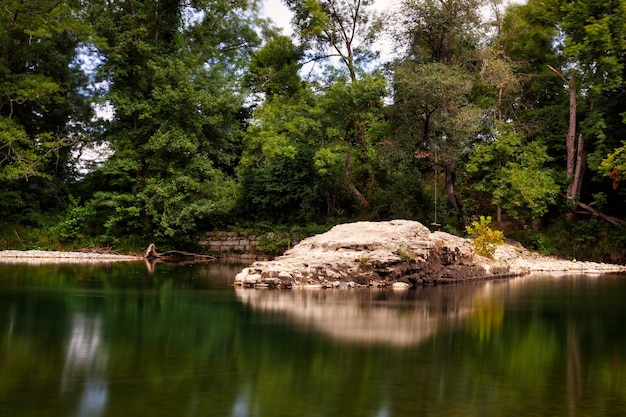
{"x": 612, "y": 220}
{"x": 152, "y": 253}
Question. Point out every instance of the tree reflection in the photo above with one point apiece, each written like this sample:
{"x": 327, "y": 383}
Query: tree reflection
{"x": 81, "y": 341}
{"x": 86, "y": 365}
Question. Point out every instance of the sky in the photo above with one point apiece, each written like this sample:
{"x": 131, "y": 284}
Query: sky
{"x": 277, "y": 11}
{"x": 280, "y": 14}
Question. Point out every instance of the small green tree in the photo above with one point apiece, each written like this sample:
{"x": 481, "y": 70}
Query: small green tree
{"x": 483, "y": 237}
{"x": 513, "y": 173}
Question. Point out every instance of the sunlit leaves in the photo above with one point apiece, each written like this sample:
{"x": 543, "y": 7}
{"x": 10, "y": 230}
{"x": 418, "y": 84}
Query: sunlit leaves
{"x": 513, "y": 172}
{"x": 21, "y": 156}
{"x": 274, "y": 68}
{"x": 614, "y": 165}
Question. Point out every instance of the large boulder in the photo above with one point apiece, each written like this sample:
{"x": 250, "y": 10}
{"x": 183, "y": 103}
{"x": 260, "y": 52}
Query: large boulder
{"x": 398, "y": 253}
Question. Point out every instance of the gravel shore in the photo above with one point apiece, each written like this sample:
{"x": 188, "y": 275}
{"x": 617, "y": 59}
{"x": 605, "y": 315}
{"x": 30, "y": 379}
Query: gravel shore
{"x": 39, "y": 256}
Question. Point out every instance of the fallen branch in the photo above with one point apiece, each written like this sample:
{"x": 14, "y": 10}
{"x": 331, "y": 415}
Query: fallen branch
{"x": 613, "y": 220}
{"x": 152, "y": 253}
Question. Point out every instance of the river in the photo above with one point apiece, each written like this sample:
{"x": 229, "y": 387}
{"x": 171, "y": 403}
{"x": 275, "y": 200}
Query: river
{"x": 120, "y": 340}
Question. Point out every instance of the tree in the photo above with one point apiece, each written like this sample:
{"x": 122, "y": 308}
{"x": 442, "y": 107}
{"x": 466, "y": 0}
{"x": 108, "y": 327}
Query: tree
{"x": 298, "y": 152}
{"x": 434, "y": 80}
{"x": 512, "y": 172}
{"x": 445, "y": 31}
{"x": 337, "y": 29}
{"x": 278, "y": 180}
{"x": 432, "y": 105}
{"x": 274, "y": 69}
{"x": 174, "y": 70}
{"x": 594, "y": 41}
{"x": 41, "y": 105}
{"x": 582, "y": 43}
{"x": 344, "y": 31}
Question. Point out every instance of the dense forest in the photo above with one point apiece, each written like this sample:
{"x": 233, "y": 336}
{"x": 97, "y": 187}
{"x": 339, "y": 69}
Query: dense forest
{"x": 126, "y": 122}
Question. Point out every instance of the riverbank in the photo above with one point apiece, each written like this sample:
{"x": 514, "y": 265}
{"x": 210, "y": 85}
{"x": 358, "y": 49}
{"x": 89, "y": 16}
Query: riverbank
{"x": 399, "y": 253}
{"x": 39, "y": 256}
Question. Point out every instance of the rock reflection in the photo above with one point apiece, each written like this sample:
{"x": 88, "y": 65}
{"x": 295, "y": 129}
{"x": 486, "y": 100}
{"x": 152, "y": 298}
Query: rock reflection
{"x": 370, "y": 316}
{"x": 85, "y": 365}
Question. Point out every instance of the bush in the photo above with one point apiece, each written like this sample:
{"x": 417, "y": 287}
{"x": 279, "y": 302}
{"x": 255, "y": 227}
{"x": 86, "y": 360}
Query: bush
{"x": 483, "y": 237}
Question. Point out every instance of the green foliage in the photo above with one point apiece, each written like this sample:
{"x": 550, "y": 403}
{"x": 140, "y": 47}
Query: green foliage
{"x": 513, "y": 172}
{"x": 614, "y": 165}
{"x": 589, "y": 240}
{"x": 405, "y": 254}
{"x": 275, "y": 243}
{"x": 483, "y": 237}
{"x": 539, "y": 243}
{"x": 213, "y": 125}
{"x": 278, "y": 179}
{"x": 75, "y": 218}
{"x": 274, "y": 68}
{"x": 166, "y": 209}
{"x": 446, "y": 32}
{"x": 43, "y": 109}
{"x": 175, "y": 137}
{"x": 341, "y": 29}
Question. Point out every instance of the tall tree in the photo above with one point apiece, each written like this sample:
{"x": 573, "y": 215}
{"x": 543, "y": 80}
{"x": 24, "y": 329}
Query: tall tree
{"x": 39, "y": 96}
{"x": 582, "y": 42}
{"x": 343, "y": 29}
{"x": 595, "y": 42}
{"x": 434, "y": 79}
{"x": 342, "y": 33}
{"x": 174, "y": 69}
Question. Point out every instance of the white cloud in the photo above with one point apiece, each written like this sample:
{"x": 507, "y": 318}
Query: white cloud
{"x": 279, "y": 13}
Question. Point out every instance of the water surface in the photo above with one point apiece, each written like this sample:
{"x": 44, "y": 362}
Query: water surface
{"x": 118, "y": 340}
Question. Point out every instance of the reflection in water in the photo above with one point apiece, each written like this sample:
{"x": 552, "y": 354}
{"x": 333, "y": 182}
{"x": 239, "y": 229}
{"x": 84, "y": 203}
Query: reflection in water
{"x": 86, "y": 358}
{"x": 372, "y": 316}
{"x": 383, "y": 411}
{"x": 113, "y": 341}
{"x": 242, "y": 401}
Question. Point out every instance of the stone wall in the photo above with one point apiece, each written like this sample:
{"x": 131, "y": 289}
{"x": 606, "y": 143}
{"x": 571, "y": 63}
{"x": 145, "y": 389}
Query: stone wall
{"x": 235, "y": 245}
{"x": 232, "y": 243}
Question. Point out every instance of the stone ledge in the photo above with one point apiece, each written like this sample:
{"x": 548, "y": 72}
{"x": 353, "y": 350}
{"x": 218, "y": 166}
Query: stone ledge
{"x": 380, "y": 254}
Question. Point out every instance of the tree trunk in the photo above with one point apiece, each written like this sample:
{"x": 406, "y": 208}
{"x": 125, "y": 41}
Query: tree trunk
{"x": 452, "y": 197}
{"x": 348, "y": 181}
{"x": 571, "y": 132}
{"x": 499, "y": 216}
{"x": 576, "y": 184}
{"x": 610, "y": 219}
{"x": 575, "y": 159}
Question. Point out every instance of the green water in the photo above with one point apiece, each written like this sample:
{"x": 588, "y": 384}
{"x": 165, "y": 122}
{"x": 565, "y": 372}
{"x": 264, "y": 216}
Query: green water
{"x": 118, "y": 340}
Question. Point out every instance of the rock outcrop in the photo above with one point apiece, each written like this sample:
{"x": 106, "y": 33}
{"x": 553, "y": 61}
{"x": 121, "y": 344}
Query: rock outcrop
{"x": 397, "y": 254}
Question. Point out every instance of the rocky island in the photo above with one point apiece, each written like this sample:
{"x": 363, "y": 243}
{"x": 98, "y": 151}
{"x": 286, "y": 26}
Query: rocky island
{"x": 397, "y": 254}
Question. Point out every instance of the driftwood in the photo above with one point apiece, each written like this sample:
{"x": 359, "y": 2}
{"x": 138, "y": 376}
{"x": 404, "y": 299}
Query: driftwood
{"x": 151, "y": 253}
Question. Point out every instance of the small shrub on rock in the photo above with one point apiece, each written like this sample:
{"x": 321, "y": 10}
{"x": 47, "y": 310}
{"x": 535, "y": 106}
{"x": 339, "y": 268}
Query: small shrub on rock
{"x": 483, "y": 237}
